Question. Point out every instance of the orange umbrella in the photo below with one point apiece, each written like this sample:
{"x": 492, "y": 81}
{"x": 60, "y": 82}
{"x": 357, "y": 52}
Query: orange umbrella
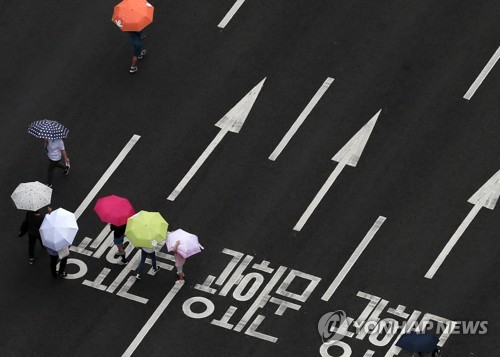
{"x": 133, "y": 15}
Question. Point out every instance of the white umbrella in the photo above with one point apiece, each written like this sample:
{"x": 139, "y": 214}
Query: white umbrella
{"x": 188, "y": 245}
{"x": 58, "y": 229}
{"x": 31, "y": 196}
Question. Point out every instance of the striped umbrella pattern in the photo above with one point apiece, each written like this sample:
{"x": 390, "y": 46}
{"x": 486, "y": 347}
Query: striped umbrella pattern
{"x": 48, "y": 129}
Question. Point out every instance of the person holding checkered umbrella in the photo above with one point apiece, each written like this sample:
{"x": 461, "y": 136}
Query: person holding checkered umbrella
{"x": 53, "y": 134}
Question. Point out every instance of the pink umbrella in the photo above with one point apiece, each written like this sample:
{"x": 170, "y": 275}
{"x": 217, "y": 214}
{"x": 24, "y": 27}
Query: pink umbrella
{"x": 114, "y": 209}
{"x": 188, "y": 246}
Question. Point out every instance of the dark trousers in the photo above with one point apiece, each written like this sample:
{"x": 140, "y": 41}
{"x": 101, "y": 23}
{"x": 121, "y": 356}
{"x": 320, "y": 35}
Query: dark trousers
{"x": 31, "y": 244}
{"x": 53, "y": 264}
{"x": 144, "y": 255}
{"x": 50, "y": 171}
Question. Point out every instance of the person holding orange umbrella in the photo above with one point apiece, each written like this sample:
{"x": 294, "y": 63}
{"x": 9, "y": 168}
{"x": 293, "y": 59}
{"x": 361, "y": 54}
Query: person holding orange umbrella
{"x": 133, "y": 16}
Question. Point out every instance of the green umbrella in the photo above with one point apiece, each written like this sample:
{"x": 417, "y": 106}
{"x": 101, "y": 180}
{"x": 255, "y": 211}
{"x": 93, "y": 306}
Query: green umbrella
{"x": 146, "y": 229}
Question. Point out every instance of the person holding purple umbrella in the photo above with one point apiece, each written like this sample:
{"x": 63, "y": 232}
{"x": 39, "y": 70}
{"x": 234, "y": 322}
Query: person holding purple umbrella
{"x": 179, "y": 263}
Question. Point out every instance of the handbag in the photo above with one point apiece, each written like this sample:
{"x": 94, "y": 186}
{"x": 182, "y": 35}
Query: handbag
{"x": 23, "y": 229}
{"x": 63, "y": 253}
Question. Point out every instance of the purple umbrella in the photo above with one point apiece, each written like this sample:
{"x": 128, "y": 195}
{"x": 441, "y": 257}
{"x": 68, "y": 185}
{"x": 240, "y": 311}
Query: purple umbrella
{"x": 188, "y": 246}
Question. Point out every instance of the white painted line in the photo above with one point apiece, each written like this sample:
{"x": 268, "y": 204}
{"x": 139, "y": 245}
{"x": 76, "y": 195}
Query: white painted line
{"x": 348, "y": 155}
{"x": 319, "y": 196}
{"x": 451, "y": 243}
{"x": 86, "y": 202}
{"x": 101, "y": 237}
{"x": 152, "y": 320}
{"x": 482, "y": 75}
{"x": 232, "y": 121}
{"x": 261, "y": 300}
{"x": 231, "y": 13}
{"x": 352, "y": 260}
{"x": 302, "y": 117}
{"x": 192, "y": 171}
{"x": 487, "y": 196}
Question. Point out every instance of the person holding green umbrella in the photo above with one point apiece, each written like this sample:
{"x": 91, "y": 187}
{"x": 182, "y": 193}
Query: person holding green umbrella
{"x": 145, "y": 252}
{"x": 146, "y": 230}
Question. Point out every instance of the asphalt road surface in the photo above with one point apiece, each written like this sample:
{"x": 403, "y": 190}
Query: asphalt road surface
{"x": 401, "y": 226}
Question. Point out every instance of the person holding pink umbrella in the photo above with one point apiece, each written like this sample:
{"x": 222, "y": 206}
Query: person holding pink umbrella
{"x": 186, "y": 245}
{"x": 115, "y": 210}
{"x": 119, "y": 236}
{"x": 179, "y": 263}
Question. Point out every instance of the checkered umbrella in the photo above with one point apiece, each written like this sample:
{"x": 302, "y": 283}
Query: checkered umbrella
{"x": 48, "y": 129}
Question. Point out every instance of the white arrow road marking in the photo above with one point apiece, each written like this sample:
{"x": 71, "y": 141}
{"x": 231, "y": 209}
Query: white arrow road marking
{"x": 152, "y": 320}
{"x": 348, "y": 155}
{"x": 232, "y": 121}
{"x": 302, "y": 117}
{"x": 121, "y": 156}
{"x": 486, "y": 196}
{"x": 231, "y": 13}
{"x": 354, "y": 257}
{"x": 482, "y": 75}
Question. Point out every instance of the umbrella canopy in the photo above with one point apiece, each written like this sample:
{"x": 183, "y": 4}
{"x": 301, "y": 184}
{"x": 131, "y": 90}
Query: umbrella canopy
{"x": 414, "y": 342}
{"x": 133, "y": 15}
{"x": 188, "y": 243}
{"x": 48, "y": 129}
{"x": 31, "y": 196}
{"x": 146, "y": 229}
{"x": 58, "y": 229}
{"x": 114, "y": 209}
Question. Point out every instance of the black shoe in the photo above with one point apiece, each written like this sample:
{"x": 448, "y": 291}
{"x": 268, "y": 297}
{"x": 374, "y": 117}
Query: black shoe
{"x": 32, "y": 260}
{"x": 62, "y": 274}
{"x": 155, "y": 270}
{"x": 141, "y": 56}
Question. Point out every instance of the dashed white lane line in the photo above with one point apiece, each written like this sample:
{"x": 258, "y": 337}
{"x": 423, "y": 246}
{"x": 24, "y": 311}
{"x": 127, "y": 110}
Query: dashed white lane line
{"x": 231, "y": 13}
{"x": 152, "y": 320}
{"x": 482, "y": 75}
{"x": 98, "y": 186}
{"x": 302, "y": 117}
{"x": 354, "y": 257}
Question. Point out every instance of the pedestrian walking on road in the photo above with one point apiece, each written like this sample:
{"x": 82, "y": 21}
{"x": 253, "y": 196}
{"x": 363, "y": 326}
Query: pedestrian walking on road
{"x": 56, "y": 152}
{"x": 179, "y": 263}
{"x": 119, "y": 235}
{"x": 145, "y": 252}
{"x": 34, "y": 220}
{"x": 54, "y": 259}
{"x": 138, "y": 53}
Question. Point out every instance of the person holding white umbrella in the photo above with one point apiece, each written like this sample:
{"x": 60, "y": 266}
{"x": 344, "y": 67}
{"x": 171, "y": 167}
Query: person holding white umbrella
{"x": 58, "y": 231}
{"x": 54, "y": 259}
{"x": 31, "y": 196}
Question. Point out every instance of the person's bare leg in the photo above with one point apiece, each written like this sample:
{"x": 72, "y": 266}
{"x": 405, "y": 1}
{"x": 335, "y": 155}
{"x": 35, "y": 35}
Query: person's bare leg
{"x": 134, "y": 61}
